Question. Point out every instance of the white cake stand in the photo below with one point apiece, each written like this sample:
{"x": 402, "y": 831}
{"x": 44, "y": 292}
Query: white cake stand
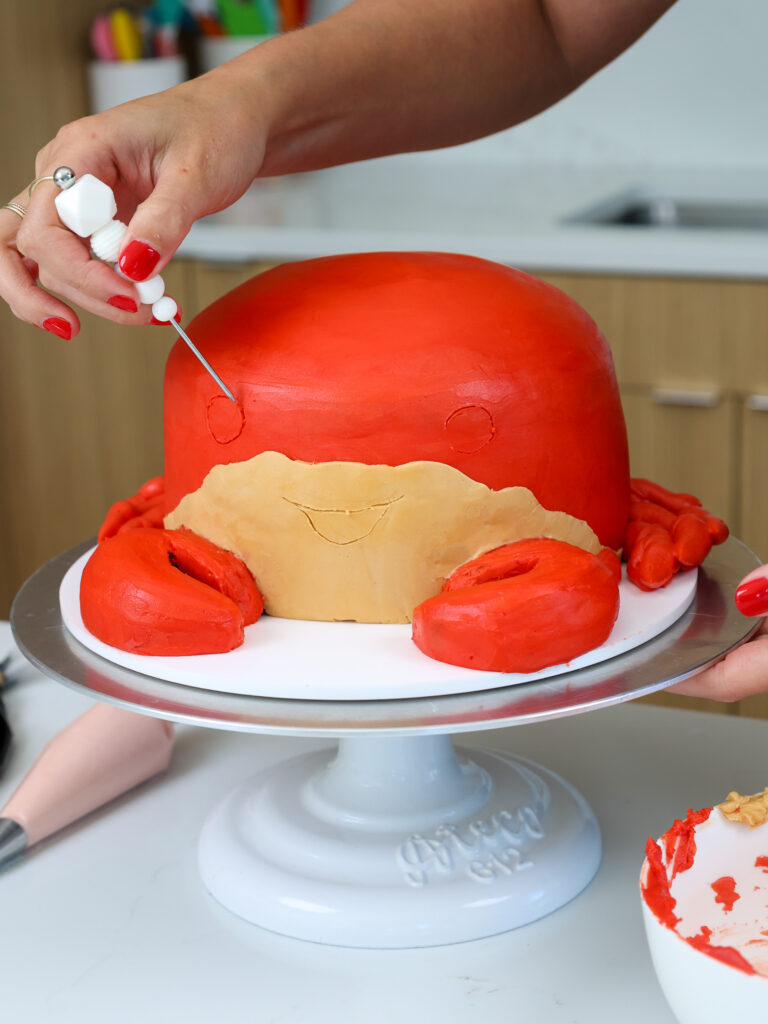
{"x": 395, "y": 839}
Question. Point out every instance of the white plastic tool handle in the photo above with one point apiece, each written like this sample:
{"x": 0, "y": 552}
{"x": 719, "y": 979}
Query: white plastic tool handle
{"x": 88, "y": 208}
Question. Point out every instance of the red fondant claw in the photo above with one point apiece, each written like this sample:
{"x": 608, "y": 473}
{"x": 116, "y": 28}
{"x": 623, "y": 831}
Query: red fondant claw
{"x": 520, "y": 608}
{"x": 167, "y": 592}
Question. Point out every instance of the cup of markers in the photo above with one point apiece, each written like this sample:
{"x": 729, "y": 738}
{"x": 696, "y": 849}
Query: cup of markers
{"x": 229, "y": 28}
{"x": 136, "y": 52}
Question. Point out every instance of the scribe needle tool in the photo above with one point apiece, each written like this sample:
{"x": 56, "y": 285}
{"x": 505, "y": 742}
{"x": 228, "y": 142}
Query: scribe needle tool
{"x": 87, "y": 206}
{"x": 196, "y": 351}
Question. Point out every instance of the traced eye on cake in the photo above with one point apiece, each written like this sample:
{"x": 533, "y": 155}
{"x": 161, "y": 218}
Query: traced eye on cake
{"x": 404, "y": 422}
{"x": 225, "y": 419}
{"x": 469, "y": 429}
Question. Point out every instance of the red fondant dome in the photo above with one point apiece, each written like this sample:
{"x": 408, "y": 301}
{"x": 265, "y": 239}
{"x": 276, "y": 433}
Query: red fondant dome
{"x": 398, "y": 357}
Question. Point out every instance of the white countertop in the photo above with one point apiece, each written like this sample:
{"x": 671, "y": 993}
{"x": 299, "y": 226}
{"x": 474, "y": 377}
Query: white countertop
{"x": 514, "y": 213}
{"x": 109, "y": 921}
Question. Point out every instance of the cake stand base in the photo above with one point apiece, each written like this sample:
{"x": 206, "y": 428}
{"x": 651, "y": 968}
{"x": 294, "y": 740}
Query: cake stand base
{"x": 394, "y": 842}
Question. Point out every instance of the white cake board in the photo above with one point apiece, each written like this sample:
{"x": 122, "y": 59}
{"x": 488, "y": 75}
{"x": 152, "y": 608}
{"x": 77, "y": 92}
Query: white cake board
{"x": 358, "y": 661}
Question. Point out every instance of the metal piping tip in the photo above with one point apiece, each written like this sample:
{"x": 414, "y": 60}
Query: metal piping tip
{"x": 8, "y": 673}
{"x": 13, "y": 840}
{"x": 5, "y": 735}
{"x": 196, "y": 351}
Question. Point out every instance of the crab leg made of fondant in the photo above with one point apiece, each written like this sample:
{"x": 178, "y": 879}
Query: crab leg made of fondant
{"x": 156, "y": 591}
{"x": 666, "y": 532}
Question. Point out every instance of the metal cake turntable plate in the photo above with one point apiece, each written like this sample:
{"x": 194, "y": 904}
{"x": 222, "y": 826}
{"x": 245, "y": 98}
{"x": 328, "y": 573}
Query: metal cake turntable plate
{"x": 709, "y": 628}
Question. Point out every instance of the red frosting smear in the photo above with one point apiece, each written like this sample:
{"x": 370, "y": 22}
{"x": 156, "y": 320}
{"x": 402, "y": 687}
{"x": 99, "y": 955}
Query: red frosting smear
{"x": 655, "y": 886}
{"x": 680, "y": 842}
{"x": 725, "y": 954}
{"x": 762, "y": 862}
{"x": 725, "y": 892}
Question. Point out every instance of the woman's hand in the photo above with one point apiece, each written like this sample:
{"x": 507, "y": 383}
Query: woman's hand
{"x": 169, "y": 159}
{"x": 743, "y": 672}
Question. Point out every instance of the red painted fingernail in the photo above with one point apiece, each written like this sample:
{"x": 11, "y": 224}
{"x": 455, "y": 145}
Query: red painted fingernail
{"x": 752, "y": 597}
{"x": 164, "y": 323}
{"x": 59, "y": 326}
{"x": 123, "y": 302}
{"x": 138, "y": 260}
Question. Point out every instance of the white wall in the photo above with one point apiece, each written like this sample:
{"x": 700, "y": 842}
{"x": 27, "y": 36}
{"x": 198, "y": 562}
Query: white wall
{"x": 692, "y": 92}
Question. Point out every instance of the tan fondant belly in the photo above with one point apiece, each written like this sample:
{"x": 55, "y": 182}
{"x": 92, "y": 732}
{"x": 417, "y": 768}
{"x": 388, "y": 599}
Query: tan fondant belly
{"x": 344, "y": 540}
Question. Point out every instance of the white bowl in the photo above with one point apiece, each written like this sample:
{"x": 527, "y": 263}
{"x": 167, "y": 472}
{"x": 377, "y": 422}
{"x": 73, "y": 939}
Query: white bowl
{"x": 724, "y": 977}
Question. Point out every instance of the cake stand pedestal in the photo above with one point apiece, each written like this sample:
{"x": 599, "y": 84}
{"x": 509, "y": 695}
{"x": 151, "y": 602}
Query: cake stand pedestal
{"x": 399, "y": 841}
{"x": 395, "y": 839}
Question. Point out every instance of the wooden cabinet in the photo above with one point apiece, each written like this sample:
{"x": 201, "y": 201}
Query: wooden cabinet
{"x": 692, "y": 364}
{"x": 754, "y": 472}
{"x": 81, "y": 422}
{"x": 80, "y": 427}
{"x": 212, "y": 280}
{"x": 685, "y": 439}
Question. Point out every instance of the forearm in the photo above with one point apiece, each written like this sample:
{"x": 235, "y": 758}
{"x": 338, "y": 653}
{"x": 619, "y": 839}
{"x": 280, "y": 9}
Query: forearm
{"x": 386, "y": 76}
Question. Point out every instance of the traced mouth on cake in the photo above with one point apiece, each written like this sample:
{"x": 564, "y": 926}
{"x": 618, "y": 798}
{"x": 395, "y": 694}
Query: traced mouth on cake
{"x": 343, "y": 526}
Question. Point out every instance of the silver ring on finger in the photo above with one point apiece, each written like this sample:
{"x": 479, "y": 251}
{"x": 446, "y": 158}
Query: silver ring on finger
{"x": 33, "y": 185}
{"x": 63, "y": 177}
{"x": 16, "y": 207}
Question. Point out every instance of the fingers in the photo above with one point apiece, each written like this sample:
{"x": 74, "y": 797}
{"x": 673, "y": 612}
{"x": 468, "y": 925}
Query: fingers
{"x": 752, "y": 593}
{"x": 37, "y": 250}
{"x": 66, "y": 267}
{"x": 18, "y": 285}
{"x": 742, "y": 673}
{"x": 161, "y": 223}
{"x": 67, "y": 270}
{"x": 169, "y": 159}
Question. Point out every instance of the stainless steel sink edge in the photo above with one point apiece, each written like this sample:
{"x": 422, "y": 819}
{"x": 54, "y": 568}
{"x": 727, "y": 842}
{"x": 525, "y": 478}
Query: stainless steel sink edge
{"x": 639, "y": 207}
